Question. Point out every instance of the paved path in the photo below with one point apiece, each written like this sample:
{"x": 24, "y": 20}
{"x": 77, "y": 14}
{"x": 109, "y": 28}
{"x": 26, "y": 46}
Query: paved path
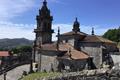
{"x": 16, "y": 73}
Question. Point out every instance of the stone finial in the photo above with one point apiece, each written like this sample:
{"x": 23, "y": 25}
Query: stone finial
{"x": 45, "y": 2}
{"x": 58, "y": 40}
{"x": 76, "y": 26}
{"x": 76, "y": 20}
{"x": 58, "y": 30}
{"x": 93, "y": 33}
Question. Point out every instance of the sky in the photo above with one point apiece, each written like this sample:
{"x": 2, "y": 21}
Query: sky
{"x": 18, "y": 17}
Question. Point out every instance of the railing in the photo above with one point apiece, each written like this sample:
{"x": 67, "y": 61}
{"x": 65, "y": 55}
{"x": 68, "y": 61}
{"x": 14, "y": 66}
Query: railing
{"x": 10, "y": 67}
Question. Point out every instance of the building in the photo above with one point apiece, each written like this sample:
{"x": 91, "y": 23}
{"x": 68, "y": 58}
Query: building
{"x": 73, "y": 51}
{"x": 4, "y": 58}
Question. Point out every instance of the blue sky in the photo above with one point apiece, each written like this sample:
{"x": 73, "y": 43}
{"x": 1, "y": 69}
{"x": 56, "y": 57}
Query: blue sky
{"x": 18, "y": 17}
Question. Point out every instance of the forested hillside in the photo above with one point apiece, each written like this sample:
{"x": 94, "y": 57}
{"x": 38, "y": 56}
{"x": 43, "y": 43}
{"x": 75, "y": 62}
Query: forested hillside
{"x": 7, "y": 44}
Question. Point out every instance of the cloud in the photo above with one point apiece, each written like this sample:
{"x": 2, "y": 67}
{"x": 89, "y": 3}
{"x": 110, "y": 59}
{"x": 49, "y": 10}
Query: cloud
{"x": 9, "y": 10}
{"x": 12, "y": 30}
{"x": 84, "y": 28}
{"x": 12, "y": 8}
{"x": 97, "y": 29}
{"x": 63, "y": 28}
{"x": 55, "y": 1}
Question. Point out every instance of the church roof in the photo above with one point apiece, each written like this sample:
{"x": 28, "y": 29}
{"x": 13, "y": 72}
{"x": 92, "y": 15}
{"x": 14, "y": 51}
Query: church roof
{"x": 49, "y": 47}
{"x": 94, "y": 38}
{"x": 73, "y": 53}
{"x": 73, "y": 33}
{"x": 65, "y": 47}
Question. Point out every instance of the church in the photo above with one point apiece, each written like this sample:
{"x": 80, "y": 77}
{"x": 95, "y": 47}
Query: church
{"x": 73, "y": 51}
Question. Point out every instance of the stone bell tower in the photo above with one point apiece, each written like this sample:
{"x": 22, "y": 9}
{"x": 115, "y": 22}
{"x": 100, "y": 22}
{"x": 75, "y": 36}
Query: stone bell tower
{"x": 44, "y": 25}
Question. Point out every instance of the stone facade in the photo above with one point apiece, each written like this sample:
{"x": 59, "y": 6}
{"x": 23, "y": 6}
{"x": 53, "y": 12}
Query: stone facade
{"x": 73, "y": 65}
{"x": 75, "y": 49}
{"x": 94, "y": 50}
{"x": 98, "y": 48}
{"x": 98, "y": 51}
{"x": 47, "y": 62}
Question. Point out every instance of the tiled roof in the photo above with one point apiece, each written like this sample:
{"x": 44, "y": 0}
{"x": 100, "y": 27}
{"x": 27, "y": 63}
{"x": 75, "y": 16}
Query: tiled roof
{"x": 73, "y": 33}
{"x": 94, "y": 38}
{"x": 50, "y": 46}
{"x": 4, "y": 53}
{"x": 75, "y": 54}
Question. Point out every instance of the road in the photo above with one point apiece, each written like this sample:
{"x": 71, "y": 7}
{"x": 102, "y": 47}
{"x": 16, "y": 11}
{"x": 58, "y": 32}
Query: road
{"x": 15, "y": 73}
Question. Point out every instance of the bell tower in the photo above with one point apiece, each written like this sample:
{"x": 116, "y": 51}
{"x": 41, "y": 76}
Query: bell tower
{"x": 44, "y": 25}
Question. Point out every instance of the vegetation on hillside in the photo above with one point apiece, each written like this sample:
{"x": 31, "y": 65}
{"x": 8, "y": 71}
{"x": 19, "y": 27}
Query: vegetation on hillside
{"x": 8, "y": 44}
{"x": 113, "y": 34}
{"x": 23, "y": 53}
{"x": 21, "y": 49}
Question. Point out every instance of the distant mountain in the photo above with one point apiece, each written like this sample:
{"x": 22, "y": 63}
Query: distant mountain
{"x": 11, "y": 43}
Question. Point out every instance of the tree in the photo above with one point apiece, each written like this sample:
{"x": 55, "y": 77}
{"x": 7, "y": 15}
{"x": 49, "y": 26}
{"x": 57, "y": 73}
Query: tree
{"x": 24, "y": 53}
{"x": 15, "y": 50}
{"x": 25, "y": 49}
{"x": 113, "y": 34}
{"x": 22, "y": 49}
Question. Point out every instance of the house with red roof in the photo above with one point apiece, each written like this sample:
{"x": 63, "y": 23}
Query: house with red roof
{"x": 4, "y": 57}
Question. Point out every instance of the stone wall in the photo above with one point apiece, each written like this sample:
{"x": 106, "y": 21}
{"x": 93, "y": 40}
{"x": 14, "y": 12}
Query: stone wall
{"x": 67, "y": 39}
{"x": 36, "y": 56}
{"x": 87, "y": 75}
{"x": 94, "y": 50}
{"x": 74, "y": 65}
{"x": 47, "y": 61}
{"x": 116, "y": 58}
{"x": 87, "y": 78}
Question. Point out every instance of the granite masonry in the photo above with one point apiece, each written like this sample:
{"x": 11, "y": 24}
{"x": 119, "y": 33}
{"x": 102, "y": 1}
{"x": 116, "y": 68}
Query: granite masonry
{"x": 73, "y": 51}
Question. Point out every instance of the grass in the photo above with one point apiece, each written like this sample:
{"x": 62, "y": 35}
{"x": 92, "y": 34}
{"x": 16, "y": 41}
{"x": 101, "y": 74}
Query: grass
{"x": 38, "y": 75}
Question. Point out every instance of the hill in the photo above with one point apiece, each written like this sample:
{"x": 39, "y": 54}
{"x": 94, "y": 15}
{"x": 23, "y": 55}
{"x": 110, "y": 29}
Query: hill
{"x": 12, "y": 43}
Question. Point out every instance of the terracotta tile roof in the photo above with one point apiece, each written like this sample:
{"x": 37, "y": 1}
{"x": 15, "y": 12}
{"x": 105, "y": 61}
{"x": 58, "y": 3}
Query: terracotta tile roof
{"x": 94, "y": 38}
{"x": 64, "y": 47}
{"x": 73, "y": 33}
{"x": 4, "y": 53}
{"x": 50, "y": 46}
{"x": 75, "y": 55}
{"x": 72, "y": 53}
